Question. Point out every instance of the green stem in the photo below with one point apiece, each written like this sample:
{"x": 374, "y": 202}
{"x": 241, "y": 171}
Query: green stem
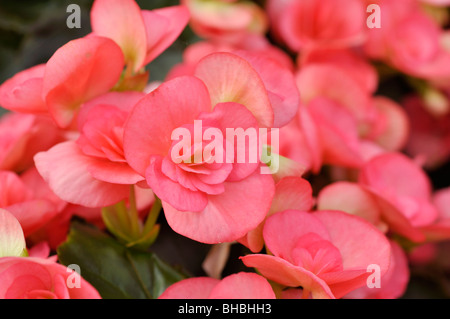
{"x": 153, "y": 215}
{"x": 133, "y": 214}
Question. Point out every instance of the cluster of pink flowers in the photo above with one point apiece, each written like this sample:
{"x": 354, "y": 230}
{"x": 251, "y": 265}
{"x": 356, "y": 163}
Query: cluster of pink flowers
{"x": 350, "y": 198}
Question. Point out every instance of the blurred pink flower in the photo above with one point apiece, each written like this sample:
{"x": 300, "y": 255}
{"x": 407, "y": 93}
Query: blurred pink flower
{"x": 241, "y": 285}
{"x": 38, "y": 278}
{"x": 309, "y": 24}
{"x": 141, "y": 34}
{"x": 327, "y": 253}
{"x": 226, "y": 22}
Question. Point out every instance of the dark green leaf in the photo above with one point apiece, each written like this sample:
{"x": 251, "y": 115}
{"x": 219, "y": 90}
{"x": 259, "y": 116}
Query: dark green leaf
{"x": 115, "y": 271}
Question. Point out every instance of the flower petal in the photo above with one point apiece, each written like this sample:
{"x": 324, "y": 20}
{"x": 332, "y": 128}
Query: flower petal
{"x": 66, "y": 169}
{"x": 191, "y": 288}
{"x": 227, "y": 216}
{"x": 79, "y": 71}
{"x": 150, "y": 125}
{"x": 121, "y": 21}
{"x": 12, "y": 239}
{"x": 23, "y": 92}
{"x": 230, "y": 78}
{"x": 243, "y": 286}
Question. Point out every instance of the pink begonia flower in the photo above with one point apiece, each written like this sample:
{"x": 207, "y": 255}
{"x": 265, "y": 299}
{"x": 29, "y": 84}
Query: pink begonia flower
{"x": 351, "y": 61}
{"x": 383, "y": 122}
{"x": 38, "y": 278}
{"x": 23, "y": 92}
{"x": 389, "y": 177}
{"x": 300, "y": 141}
{"x": 208, "y": 202}
{"x": 24, "y": 135}
{"x": 141, "y": 34}
{"x": 92, "y": 171}
{"x": 351, "y": 124}
{"x": 12, "y": 240}
{"x": 430, "y": 134}
{"x": 313, "y": 24}
{"x": 327, "y": 253}
{"x": 341, "y": 109}
{"x": 409, "y": 40}
{"x": 241, "y": 285}
{"x": 440, "y": 230}
{"x": 393, "y": 283}
{"x": 28, "y": 198}
{"x": 228, "y": 22}
{"x": 290, "y": 193}
{"x": 391, "y": 128}
{"x": 79, "y": 71}
{"x": 278, "y": 80}
{"x": 256, "y": 44}
{"x": 385, "y": 196}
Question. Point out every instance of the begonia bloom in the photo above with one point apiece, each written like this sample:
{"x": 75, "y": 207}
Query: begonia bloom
{"x": 327, "y": 253}
{"x": 241, "y": 285}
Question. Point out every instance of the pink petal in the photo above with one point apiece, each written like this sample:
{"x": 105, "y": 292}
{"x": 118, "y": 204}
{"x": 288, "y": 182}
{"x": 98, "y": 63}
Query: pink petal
{"x": 191, "y": 288}
{"x": 163, "y": 26}
{"x": 292, "y": 193}
{"x": 227, "y": 216}
{"x": 283, "y": 272}
{"x": 79, "y": 71}
{"x": 311, "y": 24}
{"x": 370, "y": 248}
{"x": 230, "y": 115}
{"x": 15, "y": 129}
{"x": 338, "y": 132}
{"x": 12, "y": 239}
{"x": 125, "y": 101}
{"x": 173, "y": 193}
{"x": 230, "y": 78}
{"x": 351, "y": 61}
{"x": 334, "y": 83}
{"x": 243, "y": 286}
{"x": 397, "y": 221}
{"x": 113, "y": 172}
{"x": 396, "y": 131}
{"x": 280, "y": 84}
{"x": 283, "y": 230}
{"x": 395, "y": 171}
{"x": 66, "y": 170}
{"x": 394, "y": 282}
{"x": 441, "y": 199}
{"x": 122, "y": 21}
{"x": 23, "y": 92}
{"x": 174, "y": 104}
{"x": 33, "y": 214}
{"x": 350, "y": 198}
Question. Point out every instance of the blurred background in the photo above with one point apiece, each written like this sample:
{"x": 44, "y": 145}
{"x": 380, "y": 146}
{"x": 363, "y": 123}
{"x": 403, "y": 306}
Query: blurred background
{"x": 32, "y": 30}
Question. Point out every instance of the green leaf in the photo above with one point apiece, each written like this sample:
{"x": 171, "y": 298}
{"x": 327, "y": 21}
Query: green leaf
{"x": 117, "y": 272}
